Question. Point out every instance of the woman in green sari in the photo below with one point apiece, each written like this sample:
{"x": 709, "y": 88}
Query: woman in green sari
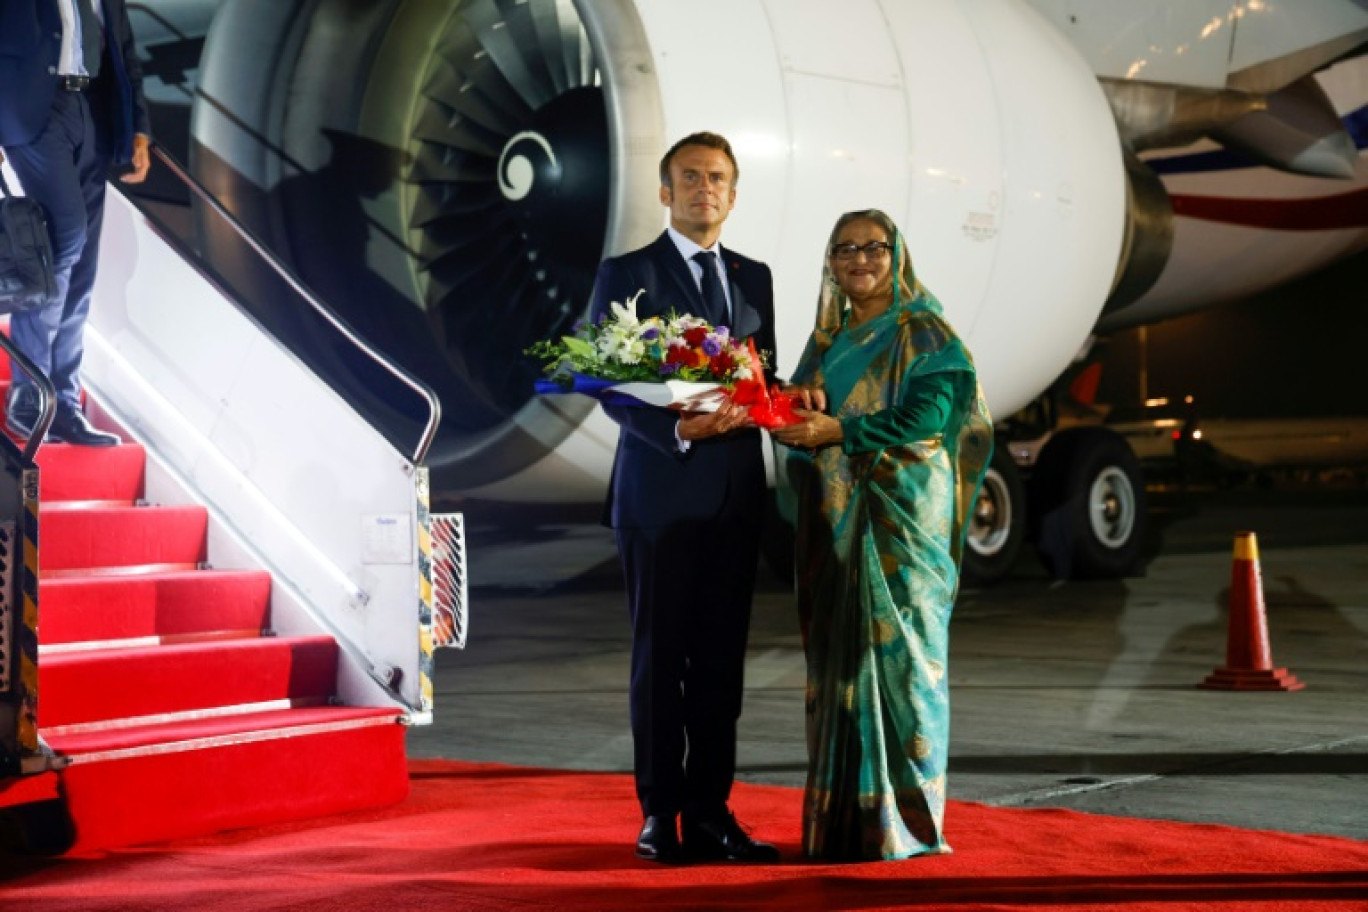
{"x": 884, "y": 472}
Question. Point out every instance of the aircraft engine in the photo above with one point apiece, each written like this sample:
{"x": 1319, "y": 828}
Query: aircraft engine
{"x": 448, "y": 175}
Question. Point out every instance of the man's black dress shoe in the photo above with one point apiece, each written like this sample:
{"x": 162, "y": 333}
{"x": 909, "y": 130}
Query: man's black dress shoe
{"x": 71, "y": 426}
{"x": 722, "y": 839}
{"x": 659, "y": 840}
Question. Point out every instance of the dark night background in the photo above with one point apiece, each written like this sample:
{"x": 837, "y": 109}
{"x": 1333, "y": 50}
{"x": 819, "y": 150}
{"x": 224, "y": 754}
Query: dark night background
{"x": 1295, "y": 351}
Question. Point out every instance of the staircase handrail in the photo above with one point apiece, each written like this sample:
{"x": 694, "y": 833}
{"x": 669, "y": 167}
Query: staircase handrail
{"x": 384, "y": 361}
{"x": 47, "y": 396}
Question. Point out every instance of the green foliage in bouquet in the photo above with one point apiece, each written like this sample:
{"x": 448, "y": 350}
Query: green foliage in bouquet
{"x": 624, "y": 348}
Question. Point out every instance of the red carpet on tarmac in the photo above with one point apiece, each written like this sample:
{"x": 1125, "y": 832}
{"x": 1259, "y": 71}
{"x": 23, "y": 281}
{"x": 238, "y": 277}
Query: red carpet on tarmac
{"x": 485, "y": 837}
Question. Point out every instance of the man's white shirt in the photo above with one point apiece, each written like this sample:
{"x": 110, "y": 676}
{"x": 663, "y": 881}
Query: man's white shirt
{"x": 71, "y": 61}
{"x": 688, "y": 250}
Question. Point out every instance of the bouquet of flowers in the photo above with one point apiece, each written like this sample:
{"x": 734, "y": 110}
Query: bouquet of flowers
{"x": 674, "y": 361}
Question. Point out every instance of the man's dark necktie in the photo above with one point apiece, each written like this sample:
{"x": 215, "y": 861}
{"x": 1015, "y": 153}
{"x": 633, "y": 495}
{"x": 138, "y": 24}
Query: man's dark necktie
{"x": 714, "y": 298}
{"x": 92, "y": 37}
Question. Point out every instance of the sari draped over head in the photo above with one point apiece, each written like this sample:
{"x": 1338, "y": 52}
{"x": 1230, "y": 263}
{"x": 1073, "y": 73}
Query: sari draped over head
{"x": 879, "y": 539}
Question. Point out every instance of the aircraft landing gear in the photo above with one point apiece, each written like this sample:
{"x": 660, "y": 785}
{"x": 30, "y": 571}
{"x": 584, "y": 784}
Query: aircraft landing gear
{"x": 997, "y": 527}
{"x": 1087, "y": 505}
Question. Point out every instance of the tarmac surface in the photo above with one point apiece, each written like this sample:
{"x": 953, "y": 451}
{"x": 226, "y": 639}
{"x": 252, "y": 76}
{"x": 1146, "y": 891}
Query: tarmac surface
{"x": 1065, "y": 694}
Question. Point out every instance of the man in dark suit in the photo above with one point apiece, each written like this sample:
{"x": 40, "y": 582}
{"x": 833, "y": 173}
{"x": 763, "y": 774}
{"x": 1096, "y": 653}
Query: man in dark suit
{"x": 71, "y": 106}
{"x": 686, "y": 499}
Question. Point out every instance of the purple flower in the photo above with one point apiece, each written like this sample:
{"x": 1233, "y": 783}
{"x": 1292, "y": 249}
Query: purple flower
{"x": 669, "y": 368}
{"x": 712, "y": 346}
{"x": 579, "y": 325}
{"x": 651, "y": 334}
{"x": 722, "y": 331}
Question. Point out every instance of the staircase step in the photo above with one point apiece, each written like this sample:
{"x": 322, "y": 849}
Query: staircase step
{"x": 296, "y": 765}
{"x": 75, "y": 473}
{"x": 105, "y": 727}
{"x": 20, "y": 790}
{"x": 170, "y": 605}
{"x": 95, "y": 537}
{"x": 194, "y": 734}
{"x": 128, "y": 683}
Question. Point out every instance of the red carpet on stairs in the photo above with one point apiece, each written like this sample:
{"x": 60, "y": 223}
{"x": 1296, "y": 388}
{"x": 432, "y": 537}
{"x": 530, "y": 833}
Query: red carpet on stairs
{"x": 487, "y": 838}
{"x": 172, "y": 707}
{"x": 182, "y": 605}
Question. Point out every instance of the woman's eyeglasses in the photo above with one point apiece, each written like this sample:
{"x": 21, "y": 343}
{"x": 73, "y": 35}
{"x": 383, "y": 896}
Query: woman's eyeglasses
{"x": 874, "y": 250}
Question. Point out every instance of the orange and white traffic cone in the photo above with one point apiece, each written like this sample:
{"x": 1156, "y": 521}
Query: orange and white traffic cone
{"x": 1249, "y": 659}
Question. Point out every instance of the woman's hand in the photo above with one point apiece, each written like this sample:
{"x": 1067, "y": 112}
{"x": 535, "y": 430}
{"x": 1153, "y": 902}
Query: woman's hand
{"x": 815, "y": 431}
{"x": 813, "y": 397}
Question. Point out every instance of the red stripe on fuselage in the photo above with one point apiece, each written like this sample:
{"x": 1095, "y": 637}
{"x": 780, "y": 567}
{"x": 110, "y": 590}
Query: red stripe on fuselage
{"x": 1323, "y": 213}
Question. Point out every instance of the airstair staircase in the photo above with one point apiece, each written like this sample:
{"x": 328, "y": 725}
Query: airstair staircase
{"x": 172, "y": 707}
{"x": 227, "y": 622}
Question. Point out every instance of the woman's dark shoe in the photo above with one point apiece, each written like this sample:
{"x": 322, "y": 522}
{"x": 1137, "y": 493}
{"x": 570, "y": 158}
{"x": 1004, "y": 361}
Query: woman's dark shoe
{"x": 659, "y": 840}
{"x": 722, "y": 839}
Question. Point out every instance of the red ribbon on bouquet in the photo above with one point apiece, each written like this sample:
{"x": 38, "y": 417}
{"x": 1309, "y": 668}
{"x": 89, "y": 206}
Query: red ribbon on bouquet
{"x": 769, "y": 408}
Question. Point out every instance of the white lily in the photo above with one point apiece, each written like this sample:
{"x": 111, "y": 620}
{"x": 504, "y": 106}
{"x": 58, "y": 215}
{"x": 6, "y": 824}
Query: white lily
{"x": 625, "y": 313}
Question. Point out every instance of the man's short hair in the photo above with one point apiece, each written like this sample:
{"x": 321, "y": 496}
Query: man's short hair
{"x": 709, "y": 140}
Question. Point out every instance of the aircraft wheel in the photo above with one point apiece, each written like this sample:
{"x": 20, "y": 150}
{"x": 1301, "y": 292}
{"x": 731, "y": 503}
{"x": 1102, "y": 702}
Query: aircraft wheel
{"x": 1088, "y": 505}
{"x": 997, "y": 527}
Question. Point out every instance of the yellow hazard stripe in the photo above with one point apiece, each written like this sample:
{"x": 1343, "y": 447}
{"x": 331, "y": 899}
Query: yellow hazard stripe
{"x": 27, "y": 727}
{"x": 426, "y": 649}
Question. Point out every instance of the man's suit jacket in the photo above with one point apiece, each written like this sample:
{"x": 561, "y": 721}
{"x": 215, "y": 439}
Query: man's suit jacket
{"x": 30, "y": 44}
{"x": 653, "y": 484}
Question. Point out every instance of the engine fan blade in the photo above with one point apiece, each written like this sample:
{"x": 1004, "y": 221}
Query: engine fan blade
{"x": 496, "y": 39}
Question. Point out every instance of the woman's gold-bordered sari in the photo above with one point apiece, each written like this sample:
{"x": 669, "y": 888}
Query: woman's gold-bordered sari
{"x": 879, "y": 538}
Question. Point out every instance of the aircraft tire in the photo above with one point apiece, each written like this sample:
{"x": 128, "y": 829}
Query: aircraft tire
{"x": 1087, "y": 510}
{"x": 997, "y": 528}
